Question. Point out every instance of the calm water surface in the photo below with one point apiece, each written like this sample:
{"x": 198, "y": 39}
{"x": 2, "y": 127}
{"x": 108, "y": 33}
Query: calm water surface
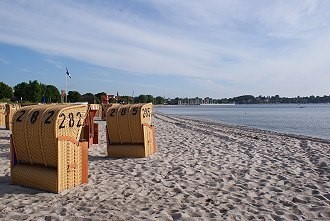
{"x": 304, "y": 119}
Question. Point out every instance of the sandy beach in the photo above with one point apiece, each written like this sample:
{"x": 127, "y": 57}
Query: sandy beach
{"x": 202, "y": 171}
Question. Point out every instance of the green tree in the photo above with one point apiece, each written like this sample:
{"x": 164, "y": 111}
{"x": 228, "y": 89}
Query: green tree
{"x": 130, "y": 100}
{"x": 5, "y": 91}
{"x": 142, "y": 99}
{"x": 74, "y": 96}
{"x": 112, "y": 100}
{"x": 160, "y": 100}
{"x": 136, "y": 100}
{"x": 52, "y": 94}
{"x": 89, "y": 97}
{"x": 98, "y": 96}
{"x": 150, "y": 99}
{"x": 34, "y": 91}
{"x": 245, "y": 99}
{"x": 125, "y": 100}
{"x": 21, "y": 91}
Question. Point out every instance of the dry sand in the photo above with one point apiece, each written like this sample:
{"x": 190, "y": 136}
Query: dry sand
{"x": 201, "y": 171}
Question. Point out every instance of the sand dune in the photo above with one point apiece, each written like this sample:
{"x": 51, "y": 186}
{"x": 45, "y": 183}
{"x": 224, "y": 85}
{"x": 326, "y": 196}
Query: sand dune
{"x": 201, "y": 171}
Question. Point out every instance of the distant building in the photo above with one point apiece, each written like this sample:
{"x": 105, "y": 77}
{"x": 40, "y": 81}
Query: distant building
{"x": 208, "y": 100}
{"x": 190, "y": 101}
{"x": 195, "y": 101}
{"x": 185, "y": 101}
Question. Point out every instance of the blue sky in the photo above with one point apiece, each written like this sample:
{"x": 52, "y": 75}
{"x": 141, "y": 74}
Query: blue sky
{"x": 170, "y": 48}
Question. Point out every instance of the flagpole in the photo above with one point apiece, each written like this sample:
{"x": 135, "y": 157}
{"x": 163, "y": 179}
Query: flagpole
{"x": 66, "y": 88}
{"x": 66, "y": 85}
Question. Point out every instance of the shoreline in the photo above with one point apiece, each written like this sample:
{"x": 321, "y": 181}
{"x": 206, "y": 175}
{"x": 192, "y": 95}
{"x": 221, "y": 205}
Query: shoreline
{"x": 201, "y": 171}
{"x": 323, "y": 136}
{"x": 247, "y": 128}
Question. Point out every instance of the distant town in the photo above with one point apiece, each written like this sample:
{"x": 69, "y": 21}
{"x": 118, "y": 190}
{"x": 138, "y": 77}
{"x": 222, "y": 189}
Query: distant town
{"x": 34, "y": 91}
{"x": 248, "y": 99}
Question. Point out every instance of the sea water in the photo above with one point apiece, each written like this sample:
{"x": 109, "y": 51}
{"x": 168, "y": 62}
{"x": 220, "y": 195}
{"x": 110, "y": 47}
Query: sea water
{"x": 302, "y": 119}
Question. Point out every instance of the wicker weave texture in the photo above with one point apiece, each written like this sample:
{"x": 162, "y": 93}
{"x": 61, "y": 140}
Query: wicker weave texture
{"x": 2, "y": 114}
{"x": 36, "y": 128}
{"x": 10, "y": 111}
{"x": 126, "y": 150}
{"x": 104, "y": 109}
{"x": 36, "y": 177}
{"x": 149, "y": 136}
{"x": 135, "y": 150}
{"x": 70, "y": 165}
{"x": 99, "y": 111}
{"x": 127, "y": 135}
{"x": 124, "y": 122}
{"x": 36, "y": 133}
{"x": 94, "y": 106}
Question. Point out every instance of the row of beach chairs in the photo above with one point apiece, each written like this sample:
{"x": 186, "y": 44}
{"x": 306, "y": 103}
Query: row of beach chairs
{"x": 49, "y": 143}
{"x": 6, "y": 114}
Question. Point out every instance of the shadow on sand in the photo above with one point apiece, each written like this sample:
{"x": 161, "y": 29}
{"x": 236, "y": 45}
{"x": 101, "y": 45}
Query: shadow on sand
{"x": 4, "y": 138}
{"x": 4, "y": 155}
{"x": 103, "y": 158}
{"x": 7, "y": 188}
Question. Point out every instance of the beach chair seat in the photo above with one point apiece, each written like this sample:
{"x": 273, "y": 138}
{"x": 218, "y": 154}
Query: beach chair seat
{"x": 46, "y": 153}
{"x": 129, "y": 131}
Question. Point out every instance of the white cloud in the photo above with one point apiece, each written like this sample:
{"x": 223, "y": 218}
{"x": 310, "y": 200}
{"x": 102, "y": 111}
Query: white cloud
{"x": 25, "y": 70}
{"x": 57, "y": 64}
{"x": 3, "y": 61}
{"x": 243, "y": 42}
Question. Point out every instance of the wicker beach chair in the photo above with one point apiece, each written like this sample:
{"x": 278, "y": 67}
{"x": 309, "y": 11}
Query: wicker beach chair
{"x": 10, "y": 111}
{"x": 90, "y": 130}
{"x": 129, "y": 131}
{"x": 99, "y": 111}
{"x": 2, "y": 114}
{"x": 46, "y": 153}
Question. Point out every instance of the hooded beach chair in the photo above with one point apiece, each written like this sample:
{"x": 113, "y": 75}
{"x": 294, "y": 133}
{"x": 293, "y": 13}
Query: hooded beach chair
{"x": 90, "y": 130}
{"x": 2, "y": 114}
{"x": 129, "y": 131}
{"x": 46, "y": 153}
{"x": 10, "y": 111}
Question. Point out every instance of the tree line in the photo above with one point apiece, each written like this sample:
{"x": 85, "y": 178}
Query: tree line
{"x": 37, "y": 92}
{"x": 250, "y": 99}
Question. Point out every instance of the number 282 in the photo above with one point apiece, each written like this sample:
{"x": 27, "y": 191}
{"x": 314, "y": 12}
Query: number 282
{"x": 70, "y": 116}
